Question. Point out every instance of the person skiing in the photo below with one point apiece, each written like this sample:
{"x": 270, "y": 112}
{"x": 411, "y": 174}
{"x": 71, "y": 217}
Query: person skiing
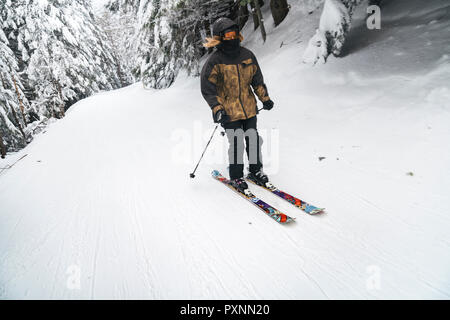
{"x": 226, "y": 81}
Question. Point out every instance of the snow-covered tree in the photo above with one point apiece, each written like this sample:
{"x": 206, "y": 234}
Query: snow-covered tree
{"x": 121, "y": 23}
{"x": 119, "y": 28}
{"x": 169, "y": 36}
{"x": 68, "y": 57}
{"x": 335, "y": 24}
{"x": 279, "y": 9}
{"x": 53, "y": 54}
{"x": 12, "y": 99}
{"x": 154, "y": 45}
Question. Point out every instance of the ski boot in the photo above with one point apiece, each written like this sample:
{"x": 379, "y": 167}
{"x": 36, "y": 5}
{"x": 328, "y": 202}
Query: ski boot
{"x": 240, "y": 185}
{"x": 260, "y": 179}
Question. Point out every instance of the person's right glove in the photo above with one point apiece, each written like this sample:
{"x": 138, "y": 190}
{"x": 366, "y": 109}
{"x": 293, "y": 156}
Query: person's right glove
{"x": 267, "y": 105}
{"x": 221, "y": 117}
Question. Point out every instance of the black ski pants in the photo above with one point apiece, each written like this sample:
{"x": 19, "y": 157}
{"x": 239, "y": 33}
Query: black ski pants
{"x": 237, "y": 132}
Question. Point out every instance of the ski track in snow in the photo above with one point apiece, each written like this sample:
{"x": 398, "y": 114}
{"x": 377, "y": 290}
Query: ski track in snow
{"x": 103, "y": 190}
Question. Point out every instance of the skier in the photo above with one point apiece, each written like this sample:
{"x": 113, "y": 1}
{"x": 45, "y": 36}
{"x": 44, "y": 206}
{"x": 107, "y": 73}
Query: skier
{"x": 226, "y": 78}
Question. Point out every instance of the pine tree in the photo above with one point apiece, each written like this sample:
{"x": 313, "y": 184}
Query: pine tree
{"x": 169, "y": 37}
{"x": 68, "y": 59}
{"x": 119, "y": 30}
{"x": 279, "y": 9}
{"x": 52, "y": 54}
{"x": 2, "y": 148}
{"x": 335, "y": 24}
{"x": 12, "y": 98}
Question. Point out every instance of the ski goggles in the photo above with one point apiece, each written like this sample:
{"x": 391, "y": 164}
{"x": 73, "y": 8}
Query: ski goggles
{"x": 230, "y": 35}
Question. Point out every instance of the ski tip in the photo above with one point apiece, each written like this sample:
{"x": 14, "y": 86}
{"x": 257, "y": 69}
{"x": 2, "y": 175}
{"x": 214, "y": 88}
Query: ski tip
{"x": 215, "y": 173}
{"x": 317, "y": 211}
{"x": 284, "y": 219}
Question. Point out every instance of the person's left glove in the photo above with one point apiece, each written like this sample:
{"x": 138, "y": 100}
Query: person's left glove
{"x": 221, "y": 117}
{"x": 268, "y": 105}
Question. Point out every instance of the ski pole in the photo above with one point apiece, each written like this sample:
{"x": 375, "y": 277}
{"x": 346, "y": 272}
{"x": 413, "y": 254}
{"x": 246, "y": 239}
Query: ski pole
{"x": 192, "y": 175}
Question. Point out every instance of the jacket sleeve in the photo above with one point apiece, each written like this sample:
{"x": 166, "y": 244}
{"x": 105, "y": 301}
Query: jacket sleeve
{"x": 208, "y": 79}
{"x": 258, "y": 85}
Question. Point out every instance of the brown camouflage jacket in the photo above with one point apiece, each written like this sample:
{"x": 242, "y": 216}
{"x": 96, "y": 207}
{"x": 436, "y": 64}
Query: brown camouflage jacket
{"x": 226, "y": 81}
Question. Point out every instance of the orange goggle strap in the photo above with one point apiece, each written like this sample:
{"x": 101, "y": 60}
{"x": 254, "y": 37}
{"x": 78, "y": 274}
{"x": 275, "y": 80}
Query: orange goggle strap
{"x": 230, "y": 35}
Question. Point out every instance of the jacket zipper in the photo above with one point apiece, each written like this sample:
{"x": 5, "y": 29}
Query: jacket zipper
{"x": 239, "y": 83}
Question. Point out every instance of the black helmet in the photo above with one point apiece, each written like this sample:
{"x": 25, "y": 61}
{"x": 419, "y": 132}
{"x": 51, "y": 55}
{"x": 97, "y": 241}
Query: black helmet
{"x": 223, "y": 24}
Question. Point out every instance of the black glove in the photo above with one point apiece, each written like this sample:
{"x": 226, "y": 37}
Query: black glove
{"x": 267, "y": 105}
{"x": 220, "y": 117}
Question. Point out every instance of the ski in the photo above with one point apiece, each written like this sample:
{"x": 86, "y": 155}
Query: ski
{"x": 268, "y": 209}
{"x": 306, "y": 207}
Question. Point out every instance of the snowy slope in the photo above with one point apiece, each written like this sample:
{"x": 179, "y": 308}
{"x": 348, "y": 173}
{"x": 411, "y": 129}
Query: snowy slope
{"x": 105, "y": 192}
